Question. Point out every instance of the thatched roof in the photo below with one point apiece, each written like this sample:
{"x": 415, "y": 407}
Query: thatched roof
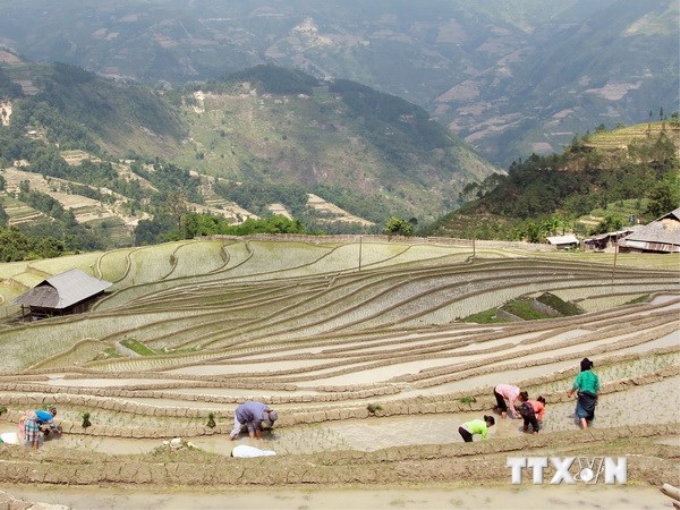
{"x": 63, "y": 290}
{"x": 663, "y": 234}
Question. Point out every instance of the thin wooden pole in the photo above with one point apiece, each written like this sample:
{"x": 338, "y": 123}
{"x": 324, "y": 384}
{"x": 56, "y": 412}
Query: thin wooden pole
{"x": 360, "y": 248}
{"x": 616, "y": 251}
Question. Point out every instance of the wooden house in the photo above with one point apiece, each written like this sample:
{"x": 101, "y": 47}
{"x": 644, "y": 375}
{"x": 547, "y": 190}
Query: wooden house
{"x": 608, "y": 240}
{"x": 661, "y": 235}
{"x": 63, "y": 294}
{"x": 567, "y": 242}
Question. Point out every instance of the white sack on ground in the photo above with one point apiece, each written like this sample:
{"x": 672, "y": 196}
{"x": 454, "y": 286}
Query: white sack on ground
{"x": 243, "y": 451}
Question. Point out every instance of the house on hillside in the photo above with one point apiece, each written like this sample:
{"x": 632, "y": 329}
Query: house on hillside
{"x": 608, "y": 239}
{"x": 661, "y": 235}
{"x": 63, "y": 294}
{"x": 568, "y": 242}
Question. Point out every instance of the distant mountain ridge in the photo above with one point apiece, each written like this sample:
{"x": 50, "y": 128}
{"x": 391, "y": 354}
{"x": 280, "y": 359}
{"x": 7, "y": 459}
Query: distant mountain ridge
{"x": 264, "y": 139}
{"x": 511, "y": 77}
{"x": 336, "y": 138}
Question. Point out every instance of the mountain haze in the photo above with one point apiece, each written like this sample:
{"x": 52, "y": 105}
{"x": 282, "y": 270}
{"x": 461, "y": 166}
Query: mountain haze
{"x": 510, "y": 77}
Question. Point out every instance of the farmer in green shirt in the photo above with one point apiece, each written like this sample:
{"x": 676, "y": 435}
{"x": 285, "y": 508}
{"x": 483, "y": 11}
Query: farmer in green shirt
{"x": 472, "y": 427}
{"x": 588, "y": 385}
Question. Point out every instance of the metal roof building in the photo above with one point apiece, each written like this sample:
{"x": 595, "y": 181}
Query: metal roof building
{"x": 608, "y": 239}
{"x": 62, "y": 294}
{"x": 661, "y": 235}
{"x": 563, "y": 242}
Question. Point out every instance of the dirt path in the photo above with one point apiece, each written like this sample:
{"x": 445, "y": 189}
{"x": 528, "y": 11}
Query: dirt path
{"x": 501, "y": 497}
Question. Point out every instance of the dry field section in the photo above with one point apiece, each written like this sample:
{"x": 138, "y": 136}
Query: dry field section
{"x": 339, "y": 334}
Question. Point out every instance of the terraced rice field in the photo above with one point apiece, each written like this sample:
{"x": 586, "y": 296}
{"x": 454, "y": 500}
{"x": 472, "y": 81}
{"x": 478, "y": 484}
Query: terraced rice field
{"x": 361, "y": 348}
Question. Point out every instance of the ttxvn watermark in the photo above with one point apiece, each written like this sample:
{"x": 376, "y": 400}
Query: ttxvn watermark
{"x": 570, "y": 470}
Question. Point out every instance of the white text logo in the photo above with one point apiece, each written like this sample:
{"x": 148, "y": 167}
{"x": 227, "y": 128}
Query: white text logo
{"x": 571, "y": 469}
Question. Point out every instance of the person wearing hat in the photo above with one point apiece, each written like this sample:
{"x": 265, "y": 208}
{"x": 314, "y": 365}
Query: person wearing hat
{"x": 587, "y": 384}
{"x": 254, "y": 416}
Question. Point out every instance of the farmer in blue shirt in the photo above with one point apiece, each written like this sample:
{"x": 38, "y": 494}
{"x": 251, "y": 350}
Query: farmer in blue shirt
{"x": 45, "y": 419}
{"x": 253, "y": 416}
{"x": 34, "y": 425}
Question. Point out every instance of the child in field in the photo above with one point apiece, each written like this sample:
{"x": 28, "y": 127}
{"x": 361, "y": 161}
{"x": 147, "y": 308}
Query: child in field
{"x": 473, "y": 427}
{"x": 532, "y": 411}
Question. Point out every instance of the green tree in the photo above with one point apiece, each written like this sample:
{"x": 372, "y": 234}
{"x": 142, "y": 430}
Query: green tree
{"x": 552, "y": 225}
{"x": 533, "y": 232}
{"x": 15, "y": 246}
{"x": 154, "y": 231}
{"x": 398, "y": 227}
{"x": 4, "y": 217}
{"x": 198, "y": 225}
{"x": 176, "y": 206}
{"x": 610, "y": 223}
{"x": 275, "y": 224}
{"x": 665, "y": 196}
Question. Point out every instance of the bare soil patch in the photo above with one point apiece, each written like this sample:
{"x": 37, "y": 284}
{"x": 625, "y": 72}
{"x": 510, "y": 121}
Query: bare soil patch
{"x": 490, "y": 497}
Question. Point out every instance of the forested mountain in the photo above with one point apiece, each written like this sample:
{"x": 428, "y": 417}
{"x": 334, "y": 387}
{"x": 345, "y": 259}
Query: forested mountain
{"x": 368, "y": 152}
{"x": 600, "y": 183}
{"x": 75, "y": 108}
{"x": 261, "y": 140}
{"x": 511, "y": 77}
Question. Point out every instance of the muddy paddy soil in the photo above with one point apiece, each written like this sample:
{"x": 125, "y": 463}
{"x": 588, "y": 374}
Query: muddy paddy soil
{"x": 656, "y": 403}
{"x": 452, "y": 475}
{"x": 331, "y": 452}
{"x": 493, "y": 497}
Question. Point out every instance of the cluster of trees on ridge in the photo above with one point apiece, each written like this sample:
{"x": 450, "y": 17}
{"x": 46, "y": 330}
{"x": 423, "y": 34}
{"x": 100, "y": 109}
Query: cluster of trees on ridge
{"x": 190, "y": 225}
{"x": 545, "y": 195}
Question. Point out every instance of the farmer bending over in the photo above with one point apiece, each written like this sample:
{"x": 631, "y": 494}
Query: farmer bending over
{"x": 253, "y": 416}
